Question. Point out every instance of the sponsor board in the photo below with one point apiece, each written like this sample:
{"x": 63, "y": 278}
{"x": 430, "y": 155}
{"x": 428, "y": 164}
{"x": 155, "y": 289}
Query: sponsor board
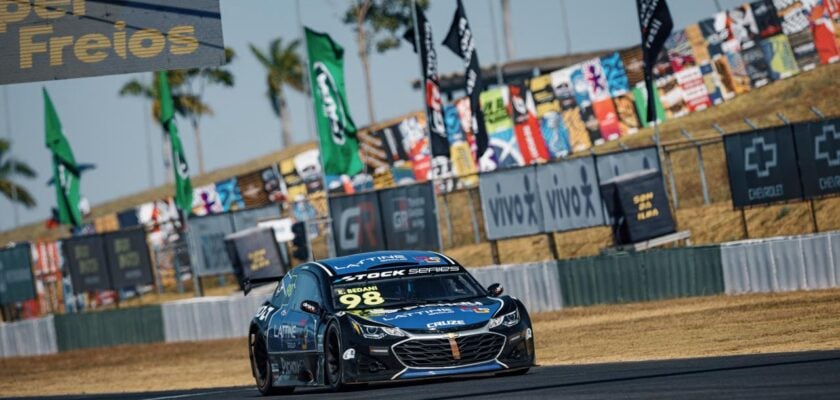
{"x": 818, "y": 150}
{"x": 762, "y": 166}
{"x": 511, "y": 203}
{"x": 569, "y": 195}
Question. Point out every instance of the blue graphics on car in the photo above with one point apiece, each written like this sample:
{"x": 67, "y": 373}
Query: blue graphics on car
{"x": 385, "y": 316}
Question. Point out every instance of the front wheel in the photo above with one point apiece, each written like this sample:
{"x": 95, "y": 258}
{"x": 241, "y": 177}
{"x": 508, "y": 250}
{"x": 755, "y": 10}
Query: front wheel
{"x": 333, "y": 376}
{"x": 261, "y": 366}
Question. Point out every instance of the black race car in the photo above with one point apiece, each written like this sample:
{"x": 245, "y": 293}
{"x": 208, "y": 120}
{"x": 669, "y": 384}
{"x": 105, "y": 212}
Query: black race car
{"x": 385, "y": 316}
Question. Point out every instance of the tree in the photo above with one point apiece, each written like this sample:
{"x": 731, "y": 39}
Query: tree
{"x": 379, "y": 22}
{"x": 284, "y": 67}
{"x": 10, "y": 168}
{"x": 188, "y": 93}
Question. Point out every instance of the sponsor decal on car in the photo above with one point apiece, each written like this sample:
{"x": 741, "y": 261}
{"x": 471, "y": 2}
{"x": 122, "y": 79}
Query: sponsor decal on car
{"x": 374, "y": 260}
{"x": 412, "y": 314}
{"x": 445, "y": 324}
{"x": 398, "y": 272}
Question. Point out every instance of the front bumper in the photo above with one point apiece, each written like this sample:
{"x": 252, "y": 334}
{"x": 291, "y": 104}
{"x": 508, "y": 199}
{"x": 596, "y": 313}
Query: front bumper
{"x": 378, "y": 360}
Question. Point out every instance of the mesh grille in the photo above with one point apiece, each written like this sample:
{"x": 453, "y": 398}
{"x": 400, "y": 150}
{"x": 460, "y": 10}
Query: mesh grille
{"x": 432, "y": 353}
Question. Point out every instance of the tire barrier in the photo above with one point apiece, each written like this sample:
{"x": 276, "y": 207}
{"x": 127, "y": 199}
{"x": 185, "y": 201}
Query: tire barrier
{"x": 109, "y": 328}
{"x": 209, "y": 318}
{"x": 783, "y": 264}
{"x": 30, "y": 337}
{"x": 645, "y": 276}
{"x": 537, "y": 285}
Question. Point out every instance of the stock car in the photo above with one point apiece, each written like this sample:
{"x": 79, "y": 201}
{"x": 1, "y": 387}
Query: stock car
{"x": 384, "y": 317}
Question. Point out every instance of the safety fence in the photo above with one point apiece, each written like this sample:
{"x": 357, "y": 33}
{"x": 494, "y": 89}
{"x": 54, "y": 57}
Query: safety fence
{"x": 783, "y": 264}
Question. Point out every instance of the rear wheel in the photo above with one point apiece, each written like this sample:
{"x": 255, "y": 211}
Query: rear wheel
{"x": 333, "y": 376}
{"x": 261, "y": 366}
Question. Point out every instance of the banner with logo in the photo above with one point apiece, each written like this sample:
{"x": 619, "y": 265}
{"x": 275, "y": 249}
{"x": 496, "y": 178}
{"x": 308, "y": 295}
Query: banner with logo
{"x": 611, "y": 165}
{"x": 254, "y": 254}
{"x": 526, "y": 126}
{"x": 251, "y": 188}
{"x": 556, "y": 135}
{"x": 272, "y": 185}
{"x": 510, "y": 201}
{"x": 206, "y": 201}
{"x": 569, "y": 195}
{"x": 818, "y": 150}
{"x": 578, "y": 135}
{"x": 88, "y": 265}
{"x": 640, "y": 98}
{"x": 762, "y": 166}
{"x": 628, "y": 120}
{"x": 128, "y": 258}
{"x": 463, "y": 164}
{"x": 699, "y": 47}
{"x": 823, "y": 29}
{"x": 693, "y": 88}
{"x": 499, "y": 124}
{"x": 671, "y": 96}
{"x": 607, "y": 116}
{"x": 230, "y": 197}
{"x": 295, "y": 187}
{"x": 679, "y": 51}
{"x": 206, "y": 240}
{"x": 356, "y": 223}
{"x": 742, "y": 25}
{"x": 780, "y": 57}
{"x": 757, "y": 67}
{"x": 16, "y": 281}
{"x": 409, "y": 219}
{"x": 564, "y": 91}
{"x": 766, "y": 18}
{"x": 587, "y": 115}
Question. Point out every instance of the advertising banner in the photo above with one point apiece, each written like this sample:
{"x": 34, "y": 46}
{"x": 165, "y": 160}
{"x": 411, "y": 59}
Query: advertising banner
{"x": 561, "y": 83}
{"x": 254, "y": 254}
{"x": 511, "y": 203}
{"x": 206, "y": 239}
{"x": 628, "y": 120}
{"x": 757, "y": 67}
{"x": 766, "y": 18}
{"x": 357, "y": 225}
{"x": 44, "y": 41}
{"x": 88, "y": 265}
{"x": 500, "y": 128}
{"x": 780, "y": 57}
{"x": 526, "y": 126}
{"x": 251, "y": 189}
{"x": 543, "y": 94}
{"x": 617, "y": 81}
{"x": 555, "y": 134}
{"x": 633, "y": 65}
{"x": 230, "y": 197}
{"x": 804, "y": 50}
{"x": 604, "y": 110}
{"x": 693, "y": 88}
{"x": 762, "y": 166}
{"x": 128, "y": 258}
{"x": 818, "y": 150}
{"x": 249, "y": 218}
{"x": 638, "y": 206}
{"x": 578, "y": 135}
{"x": 16, "y": 281}
{"x": 619, "y": 163}
{"x": 569, "y": 195}
{"x": 409, "y": 218}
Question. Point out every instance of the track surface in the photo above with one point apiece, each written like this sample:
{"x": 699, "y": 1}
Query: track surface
{"x": 811, "y": 375}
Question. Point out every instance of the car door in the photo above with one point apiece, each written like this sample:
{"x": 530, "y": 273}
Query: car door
{"x": 300, "y": 354}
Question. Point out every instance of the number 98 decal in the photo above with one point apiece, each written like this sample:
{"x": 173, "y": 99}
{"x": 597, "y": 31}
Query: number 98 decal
{"x": 369, "y": 298}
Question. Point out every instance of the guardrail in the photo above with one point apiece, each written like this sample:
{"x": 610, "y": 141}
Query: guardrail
{"x": 28, "y": 338}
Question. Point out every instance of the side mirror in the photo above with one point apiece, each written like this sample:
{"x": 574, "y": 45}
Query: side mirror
{"x": 311, "y": 307}
{"x": 495, "y": 290}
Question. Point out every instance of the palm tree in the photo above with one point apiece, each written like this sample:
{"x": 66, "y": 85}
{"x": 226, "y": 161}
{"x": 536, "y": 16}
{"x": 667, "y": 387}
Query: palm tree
{"x": 10, "y": 168}
{"x": 285, "y": 68}
{"x": 188, "y": 94}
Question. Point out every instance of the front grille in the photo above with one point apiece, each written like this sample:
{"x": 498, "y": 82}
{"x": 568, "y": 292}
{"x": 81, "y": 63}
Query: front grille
{"x": 437, "y": 353}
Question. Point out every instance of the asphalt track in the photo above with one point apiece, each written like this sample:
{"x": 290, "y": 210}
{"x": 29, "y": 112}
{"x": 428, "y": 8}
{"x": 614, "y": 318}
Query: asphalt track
{"x": 807, "y": 375}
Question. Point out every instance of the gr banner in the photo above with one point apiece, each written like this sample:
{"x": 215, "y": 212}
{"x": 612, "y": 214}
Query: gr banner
{"x": 408, "y": 217}
{"x": 614, "y": 164}
{"x": 762, "y": 166}
{"x": 47, "y": 40}
{"x": 88, "y": 265}
{"x": 254, "y": 254}
{"x": 206, "y": 238}
{"x": 569, "y": 195}
{"x": 357, "y": 225}
{"x": 16, "y": 281}
{"x": 511, "y": 203}
{"x": 818, "y": 148}
{"x": 128, "y": 258}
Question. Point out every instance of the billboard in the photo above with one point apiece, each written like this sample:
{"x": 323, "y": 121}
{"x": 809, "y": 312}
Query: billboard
{"x": 619, "y": 163}
{"x": 16, "y": 281}
{"x": 88, "y": 265}
{"x": 818, "y": 151}
{"x": 511, "y": 203}
{"x": 42, "y": 41}
{"x": 762, "y": 166}
{"x": 569, "y": 195}
{"x": 254, "y": 254}
{"x": 356, "y": 222}
{"x": 409, "y": 218}
{"x": 128, "y": 258}
{"x": 206, "y": 238}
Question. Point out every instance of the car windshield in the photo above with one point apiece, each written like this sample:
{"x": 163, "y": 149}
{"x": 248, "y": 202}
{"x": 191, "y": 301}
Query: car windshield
{"x": 405, "y": 291}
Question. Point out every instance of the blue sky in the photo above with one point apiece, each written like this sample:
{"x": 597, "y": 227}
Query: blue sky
{"x": 111, "y": 131}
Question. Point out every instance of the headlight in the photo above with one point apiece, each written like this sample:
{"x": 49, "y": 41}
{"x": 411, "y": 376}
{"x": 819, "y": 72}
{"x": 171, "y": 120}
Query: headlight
{"x": 509, "y": 319}
{"x": 376, "y": 332}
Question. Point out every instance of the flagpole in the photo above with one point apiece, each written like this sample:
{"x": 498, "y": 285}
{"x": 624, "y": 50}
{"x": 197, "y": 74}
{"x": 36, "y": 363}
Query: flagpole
{"x": 500, "y": 79}
{"x": 11, "y": 159}
{"x": 330, "y": 237}
{"x": 306, "y": 83}
{"x": 428, "y": 126}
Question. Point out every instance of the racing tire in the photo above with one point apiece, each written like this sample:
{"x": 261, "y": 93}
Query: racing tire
{"x": 333, "y": 368}
{"x": 261, "y": 367}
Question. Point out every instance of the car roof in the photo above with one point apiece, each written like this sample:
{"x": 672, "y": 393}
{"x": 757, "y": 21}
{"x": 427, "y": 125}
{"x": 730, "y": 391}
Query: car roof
{"x": 362, "y": 262}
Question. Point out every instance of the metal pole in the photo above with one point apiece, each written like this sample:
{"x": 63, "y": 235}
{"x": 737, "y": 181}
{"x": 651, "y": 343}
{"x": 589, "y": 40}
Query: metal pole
{"x": 750, "y": 123}
{"x": 500, "y": 80}
{"x": 567, "y": 35}
{"x": 672, "y": 180}
{"x": 148, "y": 131}
{"x": 744, "y": 223}
{"x": 306, "y": 83}
{"x": 813, "y": 206}
{"x": 474, "y": 219}
{"x": 428, "y": 123}
{"x": 11, "y": 158}
{"x": 703, "y": 183}
{"x": 448, "y": 219}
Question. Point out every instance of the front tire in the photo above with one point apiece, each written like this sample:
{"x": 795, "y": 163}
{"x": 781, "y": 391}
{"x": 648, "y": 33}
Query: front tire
{"x": 333, "y": 369}
{"x": 261, "y": 366}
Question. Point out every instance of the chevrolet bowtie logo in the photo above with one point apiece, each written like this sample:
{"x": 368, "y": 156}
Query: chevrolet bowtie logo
{"x": 453, "y": 345}
{"x": 827, "y": 145}
{"x": 760, "y": 157}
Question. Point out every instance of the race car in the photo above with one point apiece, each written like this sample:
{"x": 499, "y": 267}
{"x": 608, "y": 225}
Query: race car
{"x": 383, "y": 317}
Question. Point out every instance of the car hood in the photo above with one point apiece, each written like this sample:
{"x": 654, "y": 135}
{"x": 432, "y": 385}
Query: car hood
{"x": 437, "y": 317}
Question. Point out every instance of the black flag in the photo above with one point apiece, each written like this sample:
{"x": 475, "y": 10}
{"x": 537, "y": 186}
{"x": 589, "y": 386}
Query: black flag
{"x": 460, "y": 41}
{"x": 656, "y": 25}
{"x": 428, "y": 60}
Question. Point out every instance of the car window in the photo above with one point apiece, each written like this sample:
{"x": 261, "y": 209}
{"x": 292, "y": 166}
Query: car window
{"x": 284, "y": 290}
{"x": 306, "y": 288}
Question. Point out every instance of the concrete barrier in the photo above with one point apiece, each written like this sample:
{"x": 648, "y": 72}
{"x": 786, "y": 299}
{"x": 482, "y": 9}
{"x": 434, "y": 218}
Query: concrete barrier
{"x": 28, "y": 338}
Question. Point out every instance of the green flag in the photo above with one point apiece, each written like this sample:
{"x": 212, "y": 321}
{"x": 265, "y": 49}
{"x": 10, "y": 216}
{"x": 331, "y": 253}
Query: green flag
{"x": 183, "y": 186}
{"x": 336, "y": 130}
{"x": 65, "y": 171}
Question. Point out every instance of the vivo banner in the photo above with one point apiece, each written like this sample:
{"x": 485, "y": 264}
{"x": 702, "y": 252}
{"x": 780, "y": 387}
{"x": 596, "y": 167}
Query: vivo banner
{"x": 569, "y": 195}
{"x": 356, "y": 223}
{"x": 762, "y": 166}
{"x": 408, "y": 214}
{"x": 206, "y": 238}
{"x": 624, "y": 162}
{"x": 818, "y": 148}
{"x": 44, "y": 40}
{"x": 510, "y": 201}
